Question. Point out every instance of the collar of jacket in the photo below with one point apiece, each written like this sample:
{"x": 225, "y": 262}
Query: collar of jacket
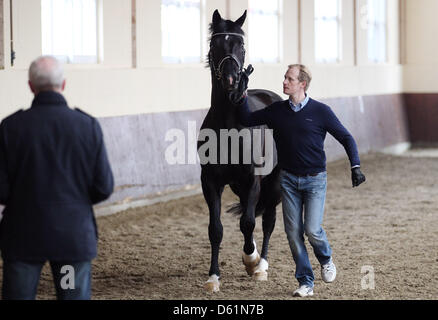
{"x": 49, "y": 98}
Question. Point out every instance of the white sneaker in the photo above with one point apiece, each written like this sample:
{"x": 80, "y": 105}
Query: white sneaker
{"x": 303, "y": 291}
{"x": 328, "y": 272}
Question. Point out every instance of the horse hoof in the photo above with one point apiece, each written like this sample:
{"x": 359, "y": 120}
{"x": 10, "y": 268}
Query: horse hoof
{"x": 261, "y": 276}
{"x": 212, "y": 285}
{"x": 261, "y": 273}
{"x": 251, "y": 266}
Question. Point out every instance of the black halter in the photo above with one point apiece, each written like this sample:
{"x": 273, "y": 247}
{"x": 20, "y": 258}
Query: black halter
{"x": 218, "y": 70}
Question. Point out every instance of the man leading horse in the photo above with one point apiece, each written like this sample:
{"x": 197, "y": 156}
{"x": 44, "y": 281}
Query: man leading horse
{"x": 300, "y": 125}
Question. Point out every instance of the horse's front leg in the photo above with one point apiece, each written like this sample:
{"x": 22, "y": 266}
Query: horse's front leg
{"x": 212, "y": 194}
{"x": 250, "y": 255}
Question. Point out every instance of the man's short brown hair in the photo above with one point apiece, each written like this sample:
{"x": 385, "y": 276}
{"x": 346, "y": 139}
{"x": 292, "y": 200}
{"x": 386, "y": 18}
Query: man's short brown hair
{"x": 304, "y": 75}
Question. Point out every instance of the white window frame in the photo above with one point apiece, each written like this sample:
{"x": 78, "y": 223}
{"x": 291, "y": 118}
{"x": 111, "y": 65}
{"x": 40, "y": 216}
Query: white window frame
{"x": 373, "y": 24}
{"x": 338, "y": 19}
{"x": 252, "y": 36}
{"x": 179, "y": 57}
{"x": 71, "y": 56}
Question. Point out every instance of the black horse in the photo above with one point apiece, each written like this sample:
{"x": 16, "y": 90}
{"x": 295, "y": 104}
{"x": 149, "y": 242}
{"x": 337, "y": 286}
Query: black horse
{"x": 258, "y": 194}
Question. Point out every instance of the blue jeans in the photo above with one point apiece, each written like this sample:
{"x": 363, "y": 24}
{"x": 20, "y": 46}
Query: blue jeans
{"x": 305, "y": 195}
{"x": 72, "y": 280}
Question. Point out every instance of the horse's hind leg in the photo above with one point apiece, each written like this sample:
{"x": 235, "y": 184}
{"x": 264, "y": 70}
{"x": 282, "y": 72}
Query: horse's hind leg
{"x": 269, "y": 218}
{"x": 212, "y": 194}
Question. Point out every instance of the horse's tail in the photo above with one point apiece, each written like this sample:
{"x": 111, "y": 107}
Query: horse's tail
{"x": 236, "y": 209}
{"x": 270, "y": 195}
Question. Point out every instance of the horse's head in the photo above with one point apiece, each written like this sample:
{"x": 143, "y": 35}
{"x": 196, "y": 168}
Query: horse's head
{"x": 227, "y": 50}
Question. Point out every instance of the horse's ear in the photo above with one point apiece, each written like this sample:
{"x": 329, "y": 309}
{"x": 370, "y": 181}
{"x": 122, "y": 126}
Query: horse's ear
{"x": 216, "y": 17}
{"x": 241, "y": 20}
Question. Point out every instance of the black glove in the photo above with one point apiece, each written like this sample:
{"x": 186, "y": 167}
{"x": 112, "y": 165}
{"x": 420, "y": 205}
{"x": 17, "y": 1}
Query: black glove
{"x": 357, "y": 177}
{"x": 238, "y": 96}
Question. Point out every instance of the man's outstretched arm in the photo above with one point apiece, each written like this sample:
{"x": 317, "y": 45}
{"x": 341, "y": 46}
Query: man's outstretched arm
{"x": 340, "y": 133}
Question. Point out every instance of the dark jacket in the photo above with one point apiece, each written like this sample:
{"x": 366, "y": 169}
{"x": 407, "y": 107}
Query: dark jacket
{"x": 53, "y": 168}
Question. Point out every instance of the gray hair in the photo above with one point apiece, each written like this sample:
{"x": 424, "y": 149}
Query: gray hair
{"x": 46, "y": 73}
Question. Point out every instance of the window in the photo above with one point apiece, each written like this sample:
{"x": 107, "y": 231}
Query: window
{"x": 377, "y": 31}
{"x": 181, "y": 31}
{"x": 69, "y": 30}
{"x": 264, "y": 31}
{"x": 327, "y": 31}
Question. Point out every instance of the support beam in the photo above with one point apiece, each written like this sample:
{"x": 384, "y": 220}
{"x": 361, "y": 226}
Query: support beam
{"x": 300, "y": 34}
{"x": 11, "y": 20}
{"x": 402, "y": 31}
{"x": 134, "y": 32}
{"x": 355, "y": 22}
{"x": 2, "y": 36}
{"x": 228, "y": 9}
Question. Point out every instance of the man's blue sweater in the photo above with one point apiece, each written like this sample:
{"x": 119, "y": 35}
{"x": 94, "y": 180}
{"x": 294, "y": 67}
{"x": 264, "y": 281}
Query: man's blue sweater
{"x": 300, "y": 136}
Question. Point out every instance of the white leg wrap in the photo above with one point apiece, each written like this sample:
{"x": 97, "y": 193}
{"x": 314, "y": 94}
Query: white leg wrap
{"x": 263, "y": 266}
{"x": 252, "y": 257}
{"x": 213, "y": 278}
